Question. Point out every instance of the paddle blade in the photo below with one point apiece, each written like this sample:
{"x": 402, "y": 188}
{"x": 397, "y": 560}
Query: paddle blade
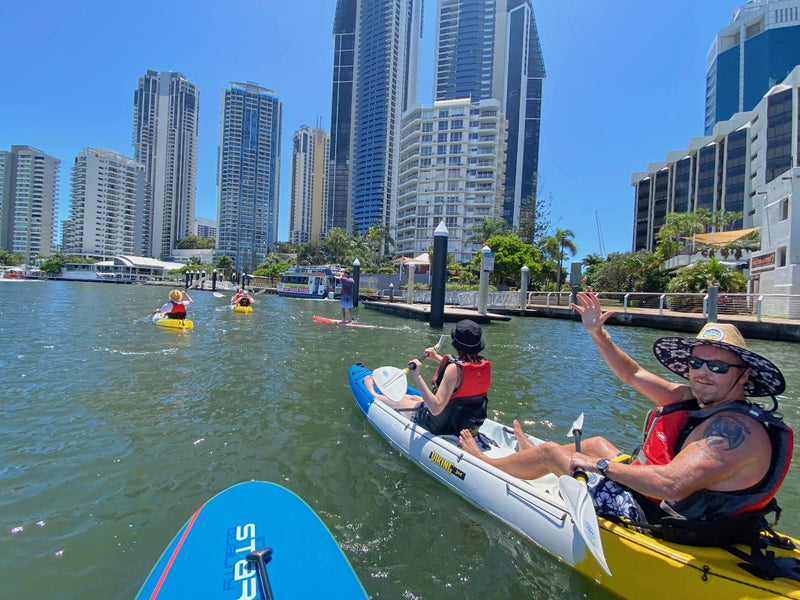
{"x": 579, "y": 503}
{"x": 577, "y": 425}
{"x": 218, "y": 295}
{"x": 391, "y": 381}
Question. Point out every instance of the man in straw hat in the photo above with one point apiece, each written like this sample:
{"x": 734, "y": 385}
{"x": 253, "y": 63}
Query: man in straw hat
{"x": 707, "y": 453}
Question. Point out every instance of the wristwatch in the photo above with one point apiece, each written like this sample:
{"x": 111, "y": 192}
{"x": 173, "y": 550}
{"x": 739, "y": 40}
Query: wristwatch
{"x": 602, "y": 467}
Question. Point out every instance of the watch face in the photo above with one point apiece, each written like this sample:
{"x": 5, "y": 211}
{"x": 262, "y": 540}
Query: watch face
{"x": 602, "y": 465}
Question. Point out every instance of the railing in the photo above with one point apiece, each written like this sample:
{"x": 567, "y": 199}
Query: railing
{"x": 753, "y": 305}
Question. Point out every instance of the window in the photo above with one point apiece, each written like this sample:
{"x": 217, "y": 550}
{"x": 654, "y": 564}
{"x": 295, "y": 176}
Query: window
{"x": 780, "y": 256}
{"x": 783, "y": 210}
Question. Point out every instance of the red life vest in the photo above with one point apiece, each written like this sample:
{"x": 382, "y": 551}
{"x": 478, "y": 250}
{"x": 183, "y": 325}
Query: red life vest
{"x": 666, "y": 429}
{"x": 467, "y": 406}
{"x": 178, "y": 311}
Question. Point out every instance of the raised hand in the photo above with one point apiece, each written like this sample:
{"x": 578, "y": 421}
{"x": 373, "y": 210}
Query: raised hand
{"x": 592, "y": 315}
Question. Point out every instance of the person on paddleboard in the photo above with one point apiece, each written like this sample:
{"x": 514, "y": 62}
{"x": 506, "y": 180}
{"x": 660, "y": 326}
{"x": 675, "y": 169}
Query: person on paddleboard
{"x": 458, "y": 396}
{"x": 346, "y": 297}
{"x": 242, "y": 298}
{"x": 175, "y": 307}
{"x": 708, "y": 453}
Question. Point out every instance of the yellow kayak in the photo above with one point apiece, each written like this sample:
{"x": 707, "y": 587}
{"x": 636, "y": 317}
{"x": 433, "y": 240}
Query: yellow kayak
{"x": 181, "y": 324}
{"x": 243, "y": 309}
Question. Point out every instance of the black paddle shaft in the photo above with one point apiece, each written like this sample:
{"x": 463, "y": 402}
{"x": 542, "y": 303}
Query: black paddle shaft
{"x": 579, "y": 474}
{"x": 261, "y": 558}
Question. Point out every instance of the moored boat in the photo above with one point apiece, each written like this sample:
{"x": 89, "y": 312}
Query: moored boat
{"x": 642, "y": 565}
{"x": 315, "y": 282}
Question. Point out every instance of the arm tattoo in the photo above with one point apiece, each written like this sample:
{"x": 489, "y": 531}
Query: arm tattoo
{"x": 727, "y": 432}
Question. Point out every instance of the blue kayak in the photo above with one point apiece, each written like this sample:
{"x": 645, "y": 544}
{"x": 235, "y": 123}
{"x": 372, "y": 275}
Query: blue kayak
{"x": 209, "y": 556}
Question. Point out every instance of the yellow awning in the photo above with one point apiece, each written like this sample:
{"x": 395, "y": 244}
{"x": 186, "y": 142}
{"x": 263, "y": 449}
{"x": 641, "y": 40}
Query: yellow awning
{"x": 722, "y": 237}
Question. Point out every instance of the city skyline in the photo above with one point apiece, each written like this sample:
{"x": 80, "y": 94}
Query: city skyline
{"x": 622, "y": 88}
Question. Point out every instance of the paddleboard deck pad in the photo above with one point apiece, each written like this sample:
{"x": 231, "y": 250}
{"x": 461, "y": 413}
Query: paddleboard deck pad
{"x": 208, "y": 557}
{"x": 319, "y": 319}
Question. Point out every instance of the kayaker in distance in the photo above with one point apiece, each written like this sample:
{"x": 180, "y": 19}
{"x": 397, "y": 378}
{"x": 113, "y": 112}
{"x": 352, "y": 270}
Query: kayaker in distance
{"x": 175, "y": 307}
{"x": 346, "y": 297}
{"x": 242, "y": 298}
{"x": 460, "y": 385}
{"x": 707, "y": 453}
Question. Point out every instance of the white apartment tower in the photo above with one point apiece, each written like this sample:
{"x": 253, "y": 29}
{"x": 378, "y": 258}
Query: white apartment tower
{"x": 107, "y": 205}
{"x": 166, "y": 108}
{"x": 309, "y": 203}
{"x": 452, "y": 168}
{"x": 28, "y": 200}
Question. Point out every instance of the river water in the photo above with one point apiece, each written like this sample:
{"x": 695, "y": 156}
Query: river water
{"x": 113, "y": 432}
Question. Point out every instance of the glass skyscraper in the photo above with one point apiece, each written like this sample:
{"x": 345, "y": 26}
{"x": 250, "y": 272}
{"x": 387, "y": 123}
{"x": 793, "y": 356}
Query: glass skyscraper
{"x": 386, "y": 46}
{"x": 248, "y": 174}
{"x": 490, "y": 49}
{"x": 754, "y": 52}
{"x": 166, "y": 108}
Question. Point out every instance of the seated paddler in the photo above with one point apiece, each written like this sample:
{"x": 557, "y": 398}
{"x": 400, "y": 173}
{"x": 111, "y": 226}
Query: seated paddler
{"x": 176, "y": 305}
{"x": 457, "y": 398}
{"x": 709, "y": 453}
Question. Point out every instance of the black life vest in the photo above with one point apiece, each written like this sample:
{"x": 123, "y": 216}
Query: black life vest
{"x": 178, "y": 311}
{"x": 244, "y": 301}
{"x": 666, "y": 429}
{"x": 467, "y": 406}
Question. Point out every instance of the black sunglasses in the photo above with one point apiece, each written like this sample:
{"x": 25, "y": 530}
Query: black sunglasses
{"x": 715, "y": 366}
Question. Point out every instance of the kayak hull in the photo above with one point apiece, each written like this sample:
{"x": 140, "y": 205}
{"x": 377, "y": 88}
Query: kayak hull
{"x": 642, "y": 566}
{"x": 243, "y": 310}
{"x": 180, "y": 324}
{"x": 207, "y": 558}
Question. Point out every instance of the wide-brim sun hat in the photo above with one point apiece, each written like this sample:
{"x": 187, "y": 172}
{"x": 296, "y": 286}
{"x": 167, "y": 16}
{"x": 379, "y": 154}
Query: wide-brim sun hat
{"x": 765, "y": 378}
{"x": 467, "y": 337}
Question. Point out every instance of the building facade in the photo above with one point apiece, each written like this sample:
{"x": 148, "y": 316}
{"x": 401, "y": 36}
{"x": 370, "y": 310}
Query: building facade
{"x": 248, "y": 174}
{"x": 166, "y": 108}
{"x": 107, "y": 206}
{"x": 387, "y": 47}
{"x": 338, "y": 213}
{"x": 753, "y": 53}
{"x": 739, "y": 168}
{"x": 452, "y": 169}
{"x": 29, "y": 200}
{"x": 205, "y": 227}
{"x": 490, "y": 49}
{"x": 308, "y": 203}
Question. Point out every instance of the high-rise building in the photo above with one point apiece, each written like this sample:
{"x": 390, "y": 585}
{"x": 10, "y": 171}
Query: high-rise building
{"x": 308, "y": 202}
{"x": 754, "y": 52}
{"x": 28, "y": 204}
{"x": 205, "y": 227}
{"x": 107, "y": 205}
{"x": 490, "y": 49}
{"x": 386, "y": 55}
{"x": 166, "y": 107}
{"x": 451, "y": 169}
{"x": 248, "y": 173}
{"x": 344, "y": 53}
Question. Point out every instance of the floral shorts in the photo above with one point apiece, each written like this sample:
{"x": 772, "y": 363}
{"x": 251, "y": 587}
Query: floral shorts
{"x": 610, "y": 499}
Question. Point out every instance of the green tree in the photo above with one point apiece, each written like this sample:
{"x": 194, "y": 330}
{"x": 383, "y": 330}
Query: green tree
{"x": 534, "y": 214}
{"x": 630, "y": 272}
{"x": 337, "y": 245}
{"x": 8, "y": 259}
{"x": 510, "y": 255}
{"x": 196, "y": 242}
{"x": 697, "y": 278}
{"x": 225, "y": 264}
{"x": 677, "y": 228}
{"x": 555, "y": 245}
{"x": 273, "y": 267}
{"x": 487, "y": 227}
{"x": 311, "y": 253}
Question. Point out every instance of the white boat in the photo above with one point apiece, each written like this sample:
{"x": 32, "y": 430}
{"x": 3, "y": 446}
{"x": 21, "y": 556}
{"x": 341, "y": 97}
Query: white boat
{"x": 315, "y": 282}
{"x": 642, "y": 566}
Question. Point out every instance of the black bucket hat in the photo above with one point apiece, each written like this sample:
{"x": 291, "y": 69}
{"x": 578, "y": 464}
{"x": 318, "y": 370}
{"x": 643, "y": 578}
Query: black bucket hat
{"x": 467, "y": 337}
{"x": 765, "y": 378}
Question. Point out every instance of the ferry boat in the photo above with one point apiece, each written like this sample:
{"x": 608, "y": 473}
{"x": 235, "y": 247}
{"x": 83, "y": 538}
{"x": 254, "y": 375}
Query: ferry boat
{"x": 316, "y": 282}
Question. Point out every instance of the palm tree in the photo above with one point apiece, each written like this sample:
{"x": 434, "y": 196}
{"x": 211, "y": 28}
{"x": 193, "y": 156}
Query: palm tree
{"x": 337, "y": 245}
{"x": 486, "y": 228}
{"x": 555, "y": 245}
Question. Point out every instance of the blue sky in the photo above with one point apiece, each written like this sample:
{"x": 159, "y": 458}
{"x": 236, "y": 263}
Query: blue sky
{"x": 625, "y": 85}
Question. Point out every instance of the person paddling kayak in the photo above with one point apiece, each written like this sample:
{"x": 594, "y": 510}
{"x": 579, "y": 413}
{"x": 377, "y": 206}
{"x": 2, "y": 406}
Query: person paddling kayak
{"x": 175, "y": 307}
{"x": 708, "y": 454}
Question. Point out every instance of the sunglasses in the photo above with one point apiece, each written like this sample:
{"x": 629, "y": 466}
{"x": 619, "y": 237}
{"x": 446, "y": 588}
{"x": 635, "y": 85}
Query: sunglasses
{"x": 715, "y": 366}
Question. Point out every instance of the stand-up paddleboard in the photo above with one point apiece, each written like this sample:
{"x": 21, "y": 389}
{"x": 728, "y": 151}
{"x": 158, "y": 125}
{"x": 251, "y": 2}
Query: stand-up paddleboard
{"x": 209, "y": 556}
{"x": 181, "y": 324}
{"x": 319, "y": 319}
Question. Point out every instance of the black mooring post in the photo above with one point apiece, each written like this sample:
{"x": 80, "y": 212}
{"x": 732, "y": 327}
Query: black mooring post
{"x": 356, "y": 281}
{"x": 439, "y": 276}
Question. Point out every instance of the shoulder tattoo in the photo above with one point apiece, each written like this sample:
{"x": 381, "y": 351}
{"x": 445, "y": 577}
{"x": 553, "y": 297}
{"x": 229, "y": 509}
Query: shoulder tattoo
{"x": 726, "y": 433}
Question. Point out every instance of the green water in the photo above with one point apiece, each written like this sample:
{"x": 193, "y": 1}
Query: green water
{"x": 113, "y": 432}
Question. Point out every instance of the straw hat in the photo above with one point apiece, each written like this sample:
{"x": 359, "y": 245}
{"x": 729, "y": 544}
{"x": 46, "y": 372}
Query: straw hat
{"x": 765, "y": 378}
{"x": 175, "y": 295}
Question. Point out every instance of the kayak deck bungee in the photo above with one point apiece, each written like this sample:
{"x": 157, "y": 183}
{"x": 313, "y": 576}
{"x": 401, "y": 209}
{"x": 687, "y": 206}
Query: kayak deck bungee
{"x": 208, "y": 558}
{"x": 642, "y": 566}
{"x": 182, "y": 324}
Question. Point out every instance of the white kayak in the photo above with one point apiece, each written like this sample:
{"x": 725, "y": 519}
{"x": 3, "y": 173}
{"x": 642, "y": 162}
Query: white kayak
{"x": 642, "y": 566}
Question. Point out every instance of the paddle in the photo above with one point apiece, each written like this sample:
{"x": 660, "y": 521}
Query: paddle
{"x": 579, "y": 504}
{"x": 261, "y": 557}
{"x": 392, "y": 381}
{"x": 217, "y": 295}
